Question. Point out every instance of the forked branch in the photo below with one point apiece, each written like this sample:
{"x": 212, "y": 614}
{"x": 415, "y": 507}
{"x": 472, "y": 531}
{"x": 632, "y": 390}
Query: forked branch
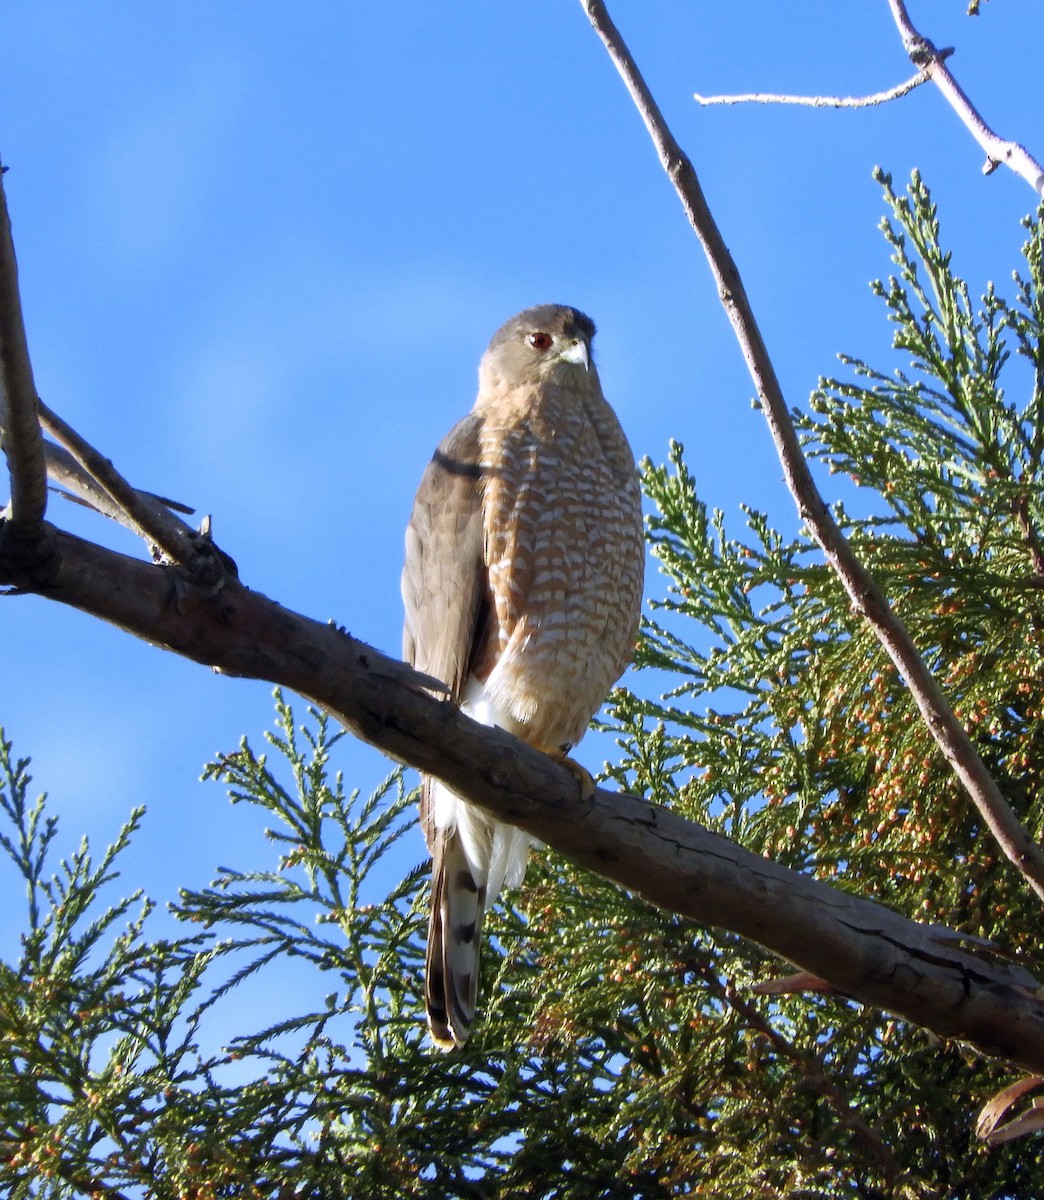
{"x": 73, "y": 462}
{"x": 72, "y": 482}
{"x": 140, "y": 511}
{"x": 932, "y": 62}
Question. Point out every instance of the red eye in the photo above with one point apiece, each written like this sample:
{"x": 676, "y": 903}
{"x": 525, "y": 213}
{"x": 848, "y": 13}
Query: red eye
{"x": 541, "y": 341}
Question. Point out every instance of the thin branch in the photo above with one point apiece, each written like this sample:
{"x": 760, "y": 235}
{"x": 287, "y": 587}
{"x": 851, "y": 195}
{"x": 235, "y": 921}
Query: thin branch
{"x": 868, "y": 952}
{"x": 64, "y": 471}
{"x": 863, "y": 591}
{"x": 1029, "y": 533}
{"x": 73, "y": 483}
{"x": 88, "y": 1185}
{"x": 19, "y": 428}
{"x": 144, "y": 513}
{"x": 812, "y": 1070}
{"x": 75, "y": 463}
{"x": 931, "y": 61}
{"x": 894, "y": 93}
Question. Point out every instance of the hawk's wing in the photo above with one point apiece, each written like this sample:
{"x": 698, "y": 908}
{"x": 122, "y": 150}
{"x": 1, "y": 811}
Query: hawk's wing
{"x": 445, "y": 590}
{"x": 444, "y": 581}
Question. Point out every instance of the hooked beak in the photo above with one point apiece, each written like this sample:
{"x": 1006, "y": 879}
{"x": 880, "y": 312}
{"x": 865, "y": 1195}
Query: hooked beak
{"x": 577, "y": 353}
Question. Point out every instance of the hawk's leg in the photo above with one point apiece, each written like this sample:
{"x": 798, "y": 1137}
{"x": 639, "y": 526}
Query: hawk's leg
{"x": 580, "y": 773}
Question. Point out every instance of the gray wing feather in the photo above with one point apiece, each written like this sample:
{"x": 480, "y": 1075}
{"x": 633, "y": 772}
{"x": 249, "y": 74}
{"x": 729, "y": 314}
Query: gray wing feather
{"x": 444, "y": 581}
{"x": 445, "y": 591}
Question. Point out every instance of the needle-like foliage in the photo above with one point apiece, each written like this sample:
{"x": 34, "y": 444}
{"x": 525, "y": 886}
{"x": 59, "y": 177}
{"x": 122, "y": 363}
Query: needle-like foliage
{"x": 621, "y": 1051}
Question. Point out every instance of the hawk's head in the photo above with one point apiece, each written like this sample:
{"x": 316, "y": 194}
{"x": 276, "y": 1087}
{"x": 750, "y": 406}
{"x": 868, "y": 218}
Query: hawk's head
{"x": 545, "y": 344}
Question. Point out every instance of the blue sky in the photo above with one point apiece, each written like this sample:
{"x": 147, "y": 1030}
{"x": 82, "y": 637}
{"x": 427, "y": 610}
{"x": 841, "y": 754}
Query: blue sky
{"x": 263, "y": 245}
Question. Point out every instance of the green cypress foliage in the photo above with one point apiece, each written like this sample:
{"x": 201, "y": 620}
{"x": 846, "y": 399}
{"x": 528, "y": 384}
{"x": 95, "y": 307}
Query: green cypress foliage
{"x": 622, "y": 1051}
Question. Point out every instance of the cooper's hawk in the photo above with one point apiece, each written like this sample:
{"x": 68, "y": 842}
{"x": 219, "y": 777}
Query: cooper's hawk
{"x": 522, "y": 587}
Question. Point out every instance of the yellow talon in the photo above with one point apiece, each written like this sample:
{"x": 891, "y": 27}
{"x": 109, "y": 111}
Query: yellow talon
{"x": 581, "y": 774}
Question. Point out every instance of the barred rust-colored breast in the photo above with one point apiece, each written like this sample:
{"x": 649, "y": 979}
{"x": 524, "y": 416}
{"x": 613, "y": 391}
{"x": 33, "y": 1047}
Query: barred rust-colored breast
{"x": 562, "y": 520}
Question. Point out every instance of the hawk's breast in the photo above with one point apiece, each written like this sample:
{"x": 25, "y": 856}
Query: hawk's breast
{"x": 565, "y": 559}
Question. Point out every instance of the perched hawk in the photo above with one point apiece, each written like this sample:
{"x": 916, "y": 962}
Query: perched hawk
{"x": 522, "y": 586}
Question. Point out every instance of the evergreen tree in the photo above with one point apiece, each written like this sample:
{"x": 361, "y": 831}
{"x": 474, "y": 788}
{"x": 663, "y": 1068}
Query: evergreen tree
{"x": 622, "y": 1051}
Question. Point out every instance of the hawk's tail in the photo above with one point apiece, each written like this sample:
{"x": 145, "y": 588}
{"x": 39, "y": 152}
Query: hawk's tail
{"x": 458, "y": 902}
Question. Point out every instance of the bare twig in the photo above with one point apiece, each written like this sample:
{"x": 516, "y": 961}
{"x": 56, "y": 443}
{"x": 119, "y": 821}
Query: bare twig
{"x": 81, "y": 468}
{"x": 73, "y": 483}
{"x": 19, "y": 428}
{"x": 894, "y": 93}
{"x": 144, "y": 513}
{"x": 64, "y": 471}
{"x": 924, "y": 55}
{"x": 865, "y": 595}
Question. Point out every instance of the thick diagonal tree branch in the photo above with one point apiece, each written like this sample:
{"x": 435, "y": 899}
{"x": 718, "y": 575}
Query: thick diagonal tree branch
{"x": 933, "y": 63}
{"x": 19, "y": 428}
{"x": 866, "y": 951}
{"x": 863, "y": 591}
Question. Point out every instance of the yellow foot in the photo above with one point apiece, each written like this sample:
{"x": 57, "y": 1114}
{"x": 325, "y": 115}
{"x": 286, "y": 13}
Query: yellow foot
{"x": 581, "y": 774}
